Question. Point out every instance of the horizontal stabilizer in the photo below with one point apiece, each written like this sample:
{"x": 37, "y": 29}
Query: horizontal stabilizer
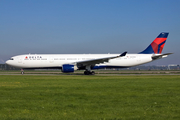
{"x": 155, "y": 57}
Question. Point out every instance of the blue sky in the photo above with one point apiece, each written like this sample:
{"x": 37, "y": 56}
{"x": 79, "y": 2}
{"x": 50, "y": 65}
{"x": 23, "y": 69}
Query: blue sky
{"x": 88, "y": 26}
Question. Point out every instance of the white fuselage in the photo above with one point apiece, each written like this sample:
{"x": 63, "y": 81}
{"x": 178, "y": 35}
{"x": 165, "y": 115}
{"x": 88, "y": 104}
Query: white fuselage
{"x": 57, "y": 60}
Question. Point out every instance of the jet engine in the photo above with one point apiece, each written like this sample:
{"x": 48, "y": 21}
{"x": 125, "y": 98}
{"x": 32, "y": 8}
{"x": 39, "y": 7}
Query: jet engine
{"x": 66, "y": 68}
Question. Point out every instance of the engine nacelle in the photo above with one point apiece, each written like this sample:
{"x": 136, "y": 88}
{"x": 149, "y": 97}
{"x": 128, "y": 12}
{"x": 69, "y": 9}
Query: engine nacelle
{"x": 66, "y": 68}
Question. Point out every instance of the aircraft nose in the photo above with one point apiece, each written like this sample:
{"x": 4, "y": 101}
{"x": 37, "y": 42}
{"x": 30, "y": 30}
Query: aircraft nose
{"x": 7, "y": 62}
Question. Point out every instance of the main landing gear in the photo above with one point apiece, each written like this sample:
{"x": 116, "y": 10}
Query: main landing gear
{"x": 89, "y": 72}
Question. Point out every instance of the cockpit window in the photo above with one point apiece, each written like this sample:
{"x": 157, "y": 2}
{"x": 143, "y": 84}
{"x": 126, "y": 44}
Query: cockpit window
{"x": 12, "y": 58}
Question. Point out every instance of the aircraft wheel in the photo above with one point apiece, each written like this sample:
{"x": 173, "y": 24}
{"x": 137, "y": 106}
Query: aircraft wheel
{"x": 22, "y": 72}
{"x": 92, "y": 73}
{"x": 86, "y": 72}
{"x": 89, "y": 73}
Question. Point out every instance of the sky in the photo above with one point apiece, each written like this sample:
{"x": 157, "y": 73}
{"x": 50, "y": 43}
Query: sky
{"x": 88, "y": 27}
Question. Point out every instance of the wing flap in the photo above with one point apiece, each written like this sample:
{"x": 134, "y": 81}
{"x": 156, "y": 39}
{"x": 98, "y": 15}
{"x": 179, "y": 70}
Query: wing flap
{"x": 98, "y": 61}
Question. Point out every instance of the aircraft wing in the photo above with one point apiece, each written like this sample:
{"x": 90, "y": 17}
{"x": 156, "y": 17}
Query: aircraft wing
{"x": 155, "y": 57}
{"x": 98, "y": 61}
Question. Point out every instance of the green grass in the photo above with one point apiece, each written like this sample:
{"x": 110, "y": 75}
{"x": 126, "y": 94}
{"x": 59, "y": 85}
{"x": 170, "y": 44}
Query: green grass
{"x": 89, "y": 97}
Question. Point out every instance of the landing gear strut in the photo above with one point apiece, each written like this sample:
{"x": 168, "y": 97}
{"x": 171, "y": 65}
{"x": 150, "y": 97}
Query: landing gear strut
{"x": 89, "y": 72}
{"x": 22, "y": 71}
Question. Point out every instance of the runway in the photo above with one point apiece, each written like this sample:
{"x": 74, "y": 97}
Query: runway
{"x": 98, "y": 73}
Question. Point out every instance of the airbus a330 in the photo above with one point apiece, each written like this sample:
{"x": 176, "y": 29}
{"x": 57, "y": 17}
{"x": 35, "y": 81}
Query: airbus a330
{"x": 88, "y": 62}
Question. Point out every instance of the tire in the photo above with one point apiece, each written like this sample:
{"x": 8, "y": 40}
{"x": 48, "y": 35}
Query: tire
{"x": 92, "y": 73}
{"x": 87, "y": 73}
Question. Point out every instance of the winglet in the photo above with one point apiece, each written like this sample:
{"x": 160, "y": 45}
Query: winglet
{"x": 123, "y": 54}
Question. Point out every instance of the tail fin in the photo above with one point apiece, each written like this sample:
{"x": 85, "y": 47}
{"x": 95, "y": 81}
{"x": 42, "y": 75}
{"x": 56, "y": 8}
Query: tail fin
{"x": 157, "y": 45}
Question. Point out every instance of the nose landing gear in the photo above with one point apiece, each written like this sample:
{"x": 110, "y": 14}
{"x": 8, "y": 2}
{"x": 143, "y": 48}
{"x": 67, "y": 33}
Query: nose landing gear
{"x": 22, "y": 71}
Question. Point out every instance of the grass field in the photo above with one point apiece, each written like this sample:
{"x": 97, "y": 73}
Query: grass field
{"x": 89, "y": 97}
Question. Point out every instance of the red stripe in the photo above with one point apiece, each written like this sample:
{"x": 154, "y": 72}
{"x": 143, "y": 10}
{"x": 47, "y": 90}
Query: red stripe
{"x": 159, "y": 40}
{"x": 154, "y": 47}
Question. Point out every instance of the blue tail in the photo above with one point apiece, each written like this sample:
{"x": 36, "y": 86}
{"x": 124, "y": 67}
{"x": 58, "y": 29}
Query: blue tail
{"x": 157, "y": 45}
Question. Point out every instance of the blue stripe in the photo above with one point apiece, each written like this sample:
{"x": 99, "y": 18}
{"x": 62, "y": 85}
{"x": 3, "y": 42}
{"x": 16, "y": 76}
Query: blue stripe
{"x": 159, "y": 46}
{"x": 163, "y": 35}
{"x": 148, "y": 50}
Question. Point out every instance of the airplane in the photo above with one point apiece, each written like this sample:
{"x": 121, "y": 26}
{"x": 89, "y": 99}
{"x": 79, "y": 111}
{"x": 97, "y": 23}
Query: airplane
{"x": 88, "y": 62}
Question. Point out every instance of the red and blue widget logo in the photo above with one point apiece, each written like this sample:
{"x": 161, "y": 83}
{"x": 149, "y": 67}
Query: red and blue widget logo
{"x": 157, "y": 45}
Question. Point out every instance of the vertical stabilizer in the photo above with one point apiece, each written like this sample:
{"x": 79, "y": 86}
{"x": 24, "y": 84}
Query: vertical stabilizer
{"x": 157, "y": 45}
